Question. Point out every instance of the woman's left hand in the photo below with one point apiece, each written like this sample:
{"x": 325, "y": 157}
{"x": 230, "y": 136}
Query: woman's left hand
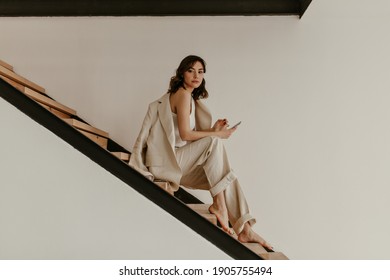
{"x": 220, "y": 124}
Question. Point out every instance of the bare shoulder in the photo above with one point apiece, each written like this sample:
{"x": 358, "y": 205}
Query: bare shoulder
{"x": 180, "y": 99}
{"x": 182, "y": 95}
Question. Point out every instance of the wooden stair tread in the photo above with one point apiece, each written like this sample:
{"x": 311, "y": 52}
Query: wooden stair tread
{"x": 273, "y": 256}
{"x": 210, "y": 217}
{"x": 6, "y": 65}
{"x": 122, "y": 155}
{"x": 256, "y": 248}
{"x": 40, "y": 98}
{"x": 203, "y": 210}
{"x": 58, "y": 113}
{"x": 101, "y": 141}
{"x": 49, "y": 102}
{"x": 86, "y": 127}
{"x": 19, "y": 79}
{"x": 165, "y": 186}
{"x": 13, "y": 83}
{"x": 200, "y": 208}
{"x": 262, "y": 252}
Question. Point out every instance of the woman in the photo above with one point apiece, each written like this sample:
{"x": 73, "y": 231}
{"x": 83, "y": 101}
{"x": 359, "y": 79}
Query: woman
{"x": 177, "y": 144}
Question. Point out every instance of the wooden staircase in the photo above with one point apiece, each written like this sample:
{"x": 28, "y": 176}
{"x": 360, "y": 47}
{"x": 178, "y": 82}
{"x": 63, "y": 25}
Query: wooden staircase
{"x": 37, "y": 93}
{"x": 101, "y": 138}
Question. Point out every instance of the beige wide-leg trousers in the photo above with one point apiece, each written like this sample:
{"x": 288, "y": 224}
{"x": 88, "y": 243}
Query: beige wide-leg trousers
{"x": 205, "y": 165}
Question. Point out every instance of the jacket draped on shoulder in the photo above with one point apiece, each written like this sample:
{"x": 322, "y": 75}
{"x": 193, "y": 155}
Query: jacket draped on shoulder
{"x": 154, "y": 150}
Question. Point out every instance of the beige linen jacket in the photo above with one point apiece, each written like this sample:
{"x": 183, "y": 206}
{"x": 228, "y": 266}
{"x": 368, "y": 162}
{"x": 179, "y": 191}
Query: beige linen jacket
{"x": 154, "y": 150}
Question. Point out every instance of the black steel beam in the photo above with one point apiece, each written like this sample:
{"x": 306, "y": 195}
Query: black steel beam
{"x": 14, "y": 8}
{"x": 304, "y": 4}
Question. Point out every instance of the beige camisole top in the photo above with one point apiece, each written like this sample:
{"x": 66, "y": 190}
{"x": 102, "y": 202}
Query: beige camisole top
{"x": 178, "y": 141}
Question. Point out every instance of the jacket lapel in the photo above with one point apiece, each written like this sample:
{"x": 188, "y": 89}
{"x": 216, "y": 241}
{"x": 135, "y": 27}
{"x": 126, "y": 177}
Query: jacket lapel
{"x": 202, "y": 116}
{"x": 165, "y": 116}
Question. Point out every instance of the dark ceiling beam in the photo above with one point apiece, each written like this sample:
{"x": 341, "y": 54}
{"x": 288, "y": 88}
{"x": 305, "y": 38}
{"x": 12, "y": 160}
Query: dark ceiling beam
{"x": 42, "y": 8}
{"x": 304, "y": 4}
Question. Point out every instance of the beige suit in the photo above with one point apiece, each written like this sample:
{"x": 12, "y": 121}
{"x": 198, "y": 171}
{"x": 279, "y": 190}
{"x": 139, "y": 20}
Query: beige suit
{"x": 154, "y": 153}
{"x": 201, "y": 164}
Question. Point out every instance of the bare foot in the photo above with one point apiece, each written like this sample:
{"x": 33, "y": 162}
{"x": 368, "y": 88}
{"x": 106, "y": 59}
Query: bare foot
{"x": 222, "y": 217}
{"x": 248, "y": 235}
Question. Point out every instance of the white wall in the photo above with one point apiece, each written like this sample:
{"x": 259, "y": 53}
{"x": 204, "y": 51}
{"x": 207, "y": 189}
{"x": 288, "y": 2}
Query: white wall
{"x": 55, "y": 203}
{"x": 312, "y": 151}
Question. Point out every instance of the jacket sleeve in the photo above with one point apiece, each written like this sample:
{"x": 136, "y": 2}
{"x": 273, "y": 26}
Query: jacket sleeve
{"x": 137, "y": 159}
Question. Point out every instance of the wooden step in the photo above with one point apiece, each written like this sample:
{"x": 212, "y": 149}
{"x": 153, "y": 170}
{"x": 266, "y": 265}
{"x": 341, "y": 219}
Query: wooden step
{"x": 165, "y": 186}
{"x": 122, "y": 156}
{"x": 49, "y": 102}
{"x": 273, "y": 256}
{"x": 56, "y": 112}
{"x": 200, "y": 208}
{"x": 210, "y": 217}
{"x": 256, "y": 248}
{"x": 13, "y": 83}
{"x": 203, "y": 210}
{"x": 6, "y": 65}
{"x": 42, "y": 99}
{"x": 86, "y": 127}
{"x": 262, "y": 252}
{"x": 19, "y": 79}
{"x": 101, "y": 141}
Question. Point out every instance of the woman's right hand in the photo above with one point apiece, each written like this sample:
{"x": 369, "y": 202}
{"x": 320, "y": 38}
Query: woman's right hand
{"x": 226, "y": 133}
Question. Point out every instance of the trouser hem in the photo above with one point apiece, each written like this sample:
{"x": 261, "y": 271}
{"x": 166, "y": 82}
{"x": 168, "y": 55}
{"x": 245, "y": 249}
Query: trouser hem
{"x": 223, "y": 184}
{"x": 239, "y": 224}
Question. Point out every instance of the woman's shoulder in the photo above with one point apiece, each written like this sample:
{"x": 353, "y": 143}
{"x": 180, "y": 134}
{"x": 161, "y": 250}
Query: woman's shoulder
{"x": 181, "y": 95}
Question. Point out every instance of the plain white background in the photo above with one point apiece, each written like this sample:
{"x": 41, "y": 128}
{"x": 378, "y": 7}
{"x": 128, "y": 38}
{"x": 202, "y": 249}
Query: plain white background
{"x": 312, "y": 151}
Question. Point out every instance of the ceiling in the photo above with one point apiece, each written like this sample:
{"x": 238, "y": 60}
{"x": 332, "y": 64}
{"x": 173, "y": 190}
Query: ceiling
{"x": 43, "y": 8}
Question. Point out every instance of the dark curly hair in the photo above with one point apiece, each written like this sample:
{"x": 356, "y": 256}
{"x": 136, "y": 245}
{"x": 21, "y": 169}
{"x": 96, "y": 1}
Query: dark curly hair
{"x": 177, "y": 81}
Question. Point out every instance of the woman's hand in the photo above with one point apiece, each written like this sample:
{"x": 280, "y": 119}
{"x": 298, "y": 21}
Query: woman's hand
{"x": 220, "y": 124}
{"x": 226, "y": 133}
{"x": 222, "y": 130}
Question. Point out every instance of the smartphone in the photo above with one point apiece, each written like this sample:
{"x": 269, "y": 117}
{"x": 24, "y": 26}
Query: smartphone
{"x": 237, "y": 124}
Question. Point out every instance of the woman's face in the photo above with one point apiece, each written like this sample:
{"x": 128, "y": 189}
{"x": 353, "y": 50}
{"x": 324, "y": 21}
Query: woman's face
{"x": 193, "y": 77}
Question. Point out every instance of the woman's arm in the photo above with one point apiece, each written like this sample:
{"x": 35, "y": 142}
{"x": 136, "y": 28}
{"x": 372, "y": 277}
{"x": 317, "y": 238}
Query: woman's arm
{"x": 182, "y": 106}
